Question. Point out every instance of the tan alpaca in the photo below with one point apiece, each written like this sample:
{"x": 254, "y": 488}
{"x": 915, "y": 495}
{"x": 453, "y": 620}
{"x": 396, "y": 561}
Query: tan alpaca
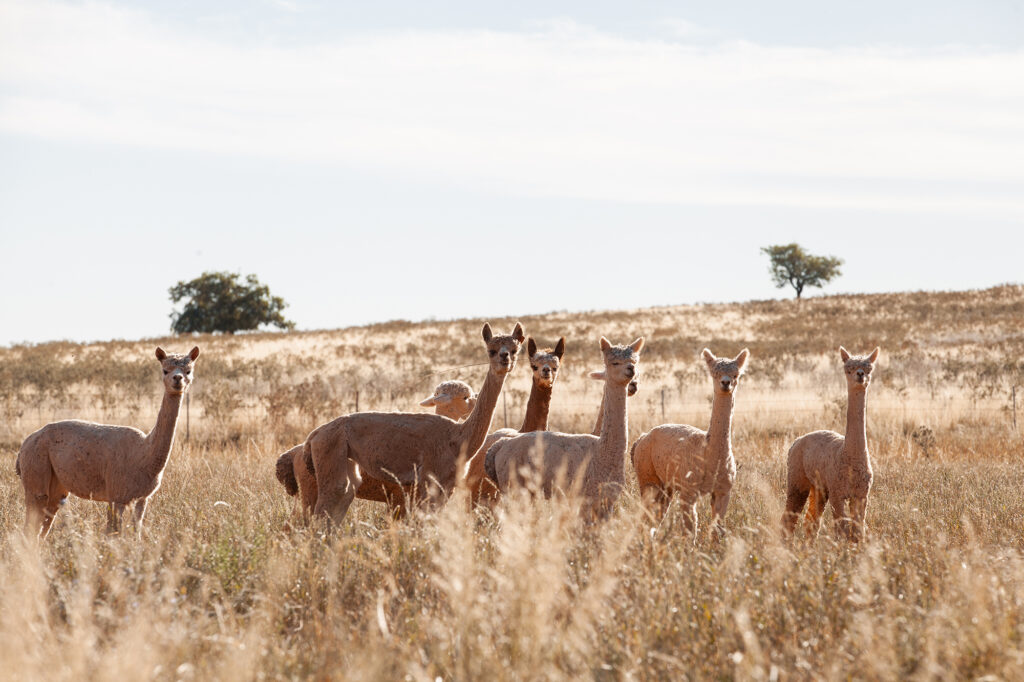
{"x": 115, "y": 464}
{"x": 595, "y": 464}
{"x": 684, "y": 461}
{"x": 828, "y": 467}
{"x": 452, "y": 399}
{"x": 544, "y": 364}
{"x": 407, "y": 449}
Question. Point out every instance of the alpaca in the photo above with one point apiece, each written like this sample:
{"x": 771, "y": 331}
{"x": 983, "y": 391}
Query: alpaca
{"x": 114, "y": 464}
{"x": 595, "y": 464}
{"x": 420, "y": 450}
{"x": 829, "y": 467}
{"x": 452, "y": 399}
{"x": 545, "y": 364}
{"x": 681, "y": 460}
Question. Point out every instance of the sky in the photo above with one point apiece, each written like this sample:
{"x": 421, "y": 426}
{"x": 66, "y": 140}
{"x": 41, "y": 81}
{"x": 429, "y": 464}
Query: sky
{"x": 374, "y": 161}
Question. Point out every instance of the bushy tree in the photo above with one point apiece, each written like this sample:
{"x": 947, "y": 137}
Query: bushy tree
{"x": 222, "y": 302}
{"x": 791, "y": 265}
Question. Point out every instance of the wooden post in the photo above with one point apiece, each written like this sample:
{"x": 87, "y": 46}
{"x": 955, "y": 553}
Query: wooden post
{"x": 357, "y": 400}
{"x": 1013, "y": 396}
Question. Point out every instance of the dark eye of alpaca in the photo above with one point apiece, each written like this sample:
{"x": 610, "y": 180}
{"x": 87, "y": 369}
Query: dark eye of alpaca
{"x": 167, "y": 371}
{"x": 534, "y": 367}
{"x": 492, "y": 353}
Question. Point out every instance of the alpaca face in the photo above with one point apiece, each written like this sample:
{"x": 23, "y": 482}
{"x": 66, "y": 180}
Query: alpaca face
{"x": 725, "y": 373}
{"x": 631, "y": 388}
{"x": 858, "y": 368}
{"x": 502, "y": 350}
{"x": 620, "y": 361}
{"x": 177, "y": 370}
{"x": 545, "y": 363}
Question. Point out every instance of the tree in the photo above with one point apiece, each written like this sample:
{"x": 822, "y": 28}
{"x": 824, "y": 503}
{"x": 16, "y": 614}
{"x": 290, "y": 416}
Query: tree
{"x": 221, "y": 302}
{"x": 791, "y": 265}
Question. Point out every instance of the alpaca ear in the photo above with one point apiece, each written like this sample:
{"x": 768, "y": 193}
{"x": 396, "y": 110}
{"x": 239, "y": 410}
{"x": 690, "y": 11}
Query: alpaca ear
{"x": 637, "y": 345}
{"x": 708, "y": 356}
{"x": 518, "y": 334}
{"x": 487, "y": 333}
{"x": 194, "y": 353}
{"x": 560, "y": 348}
{"x": 741, "y": 359}
{"x": 160, "y": 354}
{"x": 597, "y": 375}
{"x": 844, "y": 354}
{"x": 531, "y": 346}
{"x": 605, "y": 344}
{"x": 874, "y": 355}
{"x": 429, "y": 402}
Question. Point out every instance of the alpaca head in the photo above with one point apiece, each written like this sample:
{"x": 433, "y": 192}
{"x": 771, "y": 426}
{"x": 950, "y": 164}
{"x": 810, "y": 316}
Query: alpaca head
{"x": 503, "y": 349}
{"x": 452, "y": 399}
{"x": 620, "y": 361}
{"x": 725, "y": 373}
{"x": 177, "y": 370}
{"x": 631, "y": 388}
{"x": 545, "y": 362}
{"x": 858, "y": 368}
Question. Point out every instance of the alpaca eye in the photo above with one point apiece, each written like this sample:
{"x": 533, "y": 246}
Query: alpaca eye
{"x": 167, "y": 371}
{"x": 534, "y": 367}
{"x": 492, "y": 353}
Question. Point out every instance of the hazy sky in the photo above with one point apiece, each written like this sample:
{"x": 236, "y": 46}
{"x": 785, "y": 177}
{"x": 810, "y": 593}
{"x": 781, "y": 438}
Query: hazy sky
{"x": 383, "y": 160}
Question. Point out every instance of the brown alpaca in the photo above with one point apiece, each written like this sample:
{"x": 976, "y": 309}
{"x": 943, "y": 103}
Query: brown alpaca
{"x": 114, "y": 464}
{"x": 452, "y": 399}
{"x": 682, "y": 460}
{"x": 828, "y": 467}
{"x": 419, "y": 450}
{"x": 595, "y": 464}
{"x": 545, "y": 364}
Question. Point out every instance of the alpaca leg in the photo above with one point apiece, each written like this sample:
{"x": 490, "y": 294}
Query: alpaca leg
{"x": 334, "y": 500}
{"x": 839, "y": 512}
{"x": 54, "y": 498}
{"x": 858, "y": 512}
{"x": 719, "y": 503}
{"x": 115, "y": 511}
{"x": 689, "y": 512}
{"x": 35, "y": 513}
{"x": 795, "y": 500}
{"x": 655, "y": 501}
{"x": 138, "y": 514}
{"x": 815, "y": 508}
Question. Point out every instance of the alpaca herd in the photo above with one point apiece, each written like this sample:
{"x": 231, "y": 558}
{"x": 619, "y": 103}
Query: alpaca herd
{"x": 419, "y": 459}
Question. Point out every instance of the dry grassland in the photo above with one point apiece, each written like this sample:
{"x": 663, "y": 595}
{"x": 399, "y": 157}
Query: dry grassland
{"x": 222, "y": 587}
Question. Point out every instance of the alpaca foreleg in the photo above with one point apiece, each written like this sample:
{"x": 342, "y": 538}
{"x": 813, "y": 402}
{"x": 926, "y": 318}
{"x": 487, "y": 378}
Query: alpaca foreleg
{"x": 858, "y": 513}
{"x": 138, "y": 514}
{"x": 817, "y": 500}
{"x": 795, "y": 501}
{"x": 335, "y": 498}
{"x": 841, "y": 519}
{"x": 719, "y": 503}
{"x": 115, "y": 511}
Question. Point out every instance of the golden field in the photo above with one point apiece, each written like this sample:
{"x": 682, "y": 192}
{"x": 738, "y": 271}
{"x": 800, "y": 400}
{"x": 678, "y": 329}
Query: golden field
{"x": 227, "y": 585}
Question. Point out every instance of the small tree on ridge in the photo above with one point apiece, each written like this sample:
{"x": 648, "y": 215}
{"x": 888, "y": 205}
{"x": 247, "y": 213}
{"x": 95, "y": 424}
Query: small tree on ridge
{"x": 791, "y": 265}
{"x": 220, "y": 302}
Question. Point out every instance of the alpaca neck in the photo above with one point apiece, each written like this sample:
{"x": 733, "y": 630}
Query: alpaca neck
{"x": 600, "y": 418}
{"x": 473, "y": 431}
{"x": 856, "y": 425}
{"x": 160, "y": 439}
{"x": 719, "y": 432}
{"x": 537, "y": 408}
{"x": 611, "y": 448}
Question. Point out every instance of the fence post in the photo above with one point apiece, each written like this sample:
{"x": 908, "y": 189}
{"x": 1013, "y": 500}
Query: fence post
{"x": 357, "y": 400}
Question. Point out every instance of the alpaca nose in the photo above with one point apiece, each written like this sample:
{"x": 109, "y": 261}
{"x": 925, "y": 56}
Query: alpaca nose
{"x": 630, "y": 371}
{"x": 726, "y": 383}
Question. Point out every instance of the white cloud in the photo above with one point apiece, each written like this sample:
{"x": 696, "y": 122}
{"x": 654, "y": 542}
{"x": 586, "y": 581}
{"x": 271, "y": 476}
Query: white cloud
{"x": 561, "y": 111}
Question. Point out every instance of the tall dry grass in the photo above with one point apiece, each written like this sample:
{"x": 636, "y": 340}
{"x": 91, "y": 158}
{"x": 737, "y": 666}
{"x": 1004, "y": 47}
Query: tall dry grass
{"x": 223, "y": 586}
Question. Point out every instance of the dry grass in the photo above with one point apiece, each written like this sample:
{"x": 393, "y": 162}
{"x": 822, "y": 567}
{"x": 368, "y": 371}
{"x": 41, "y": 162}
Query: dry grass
{"x": 221, "y": 588}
